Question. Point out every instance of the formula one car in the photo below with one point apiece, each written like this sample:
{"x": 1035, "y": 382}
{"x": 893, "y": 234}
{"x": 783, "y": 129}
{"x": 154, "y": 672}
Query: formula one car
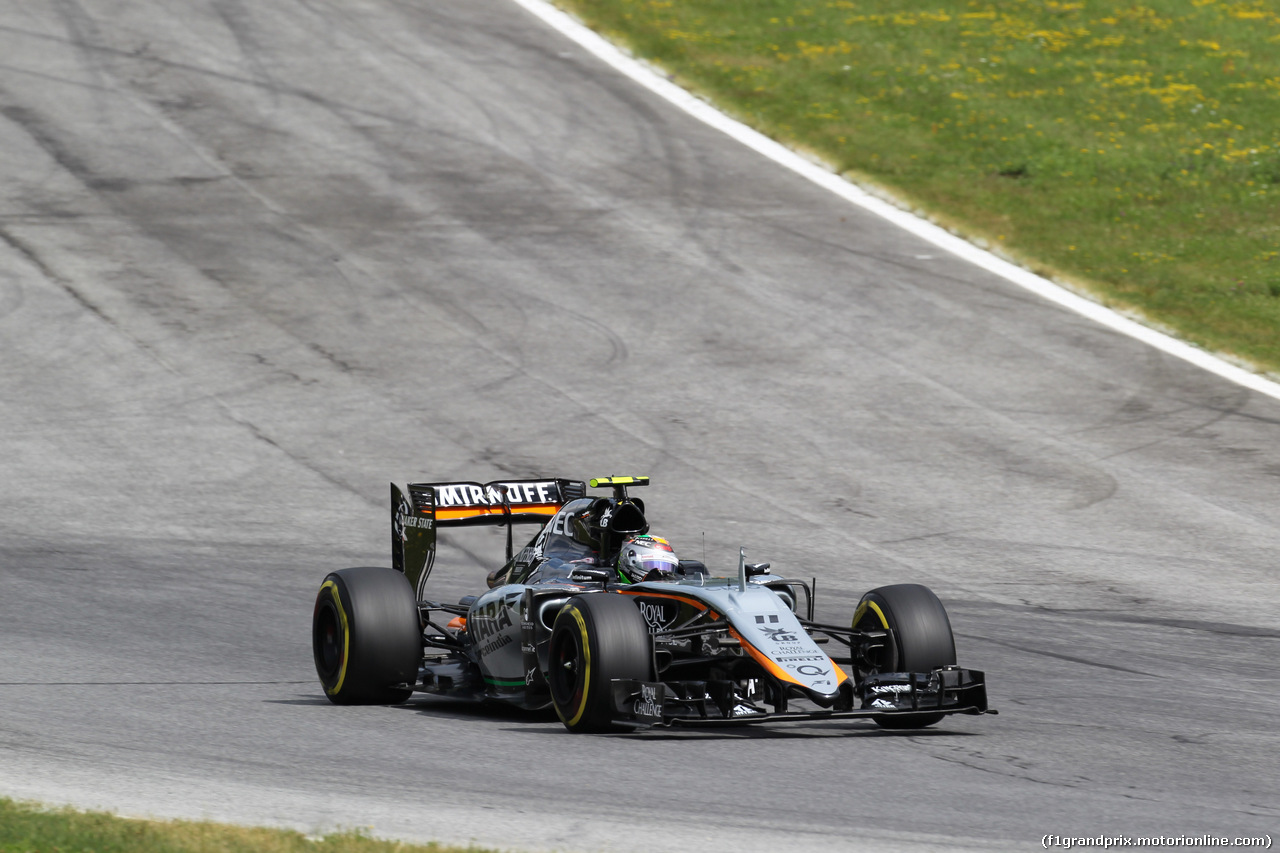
{"x": 564, "y": 625}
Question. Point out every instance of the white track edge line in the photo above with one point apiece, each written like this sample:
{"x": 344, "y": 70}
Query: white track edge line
{"x": 609, "y": 53}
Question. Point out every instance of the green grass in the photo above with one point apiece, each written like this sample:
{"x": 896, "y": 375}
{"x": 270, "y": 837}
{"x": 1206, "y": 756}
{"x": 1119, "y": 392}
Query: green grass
{"x": 1129, "y": 149}
{"x": 25, "y": 828}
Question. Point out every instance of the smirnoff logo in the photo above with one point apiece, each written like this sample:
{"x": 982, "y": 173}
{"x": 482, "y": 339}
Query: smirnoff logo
{"x": 518, "y": 493}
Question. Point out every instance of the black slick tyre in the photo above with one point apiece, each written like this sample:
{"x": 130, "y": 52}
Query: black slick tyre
{"x": 924, "y": 641}
{"x": 596, "y": 638}
{"x": 365, "y": 636}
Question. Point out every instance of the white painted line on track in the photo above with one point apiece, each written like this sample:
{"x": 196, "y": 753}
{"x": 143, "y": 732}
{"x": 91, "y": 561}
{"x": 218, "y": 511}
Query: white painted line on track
{"x": 701, "y": 110}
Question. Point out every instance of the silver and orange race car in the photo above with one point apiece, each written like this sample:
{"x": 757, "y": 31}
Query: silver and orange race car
{"x": 561, "y": 626}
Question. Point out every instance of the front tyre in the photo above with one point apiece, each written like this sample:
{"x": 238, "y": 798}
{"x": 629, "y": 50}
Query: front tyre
{"x": 596, "y": 638}
{"x": 366, "y": 637}
{"x": 923, "y": 633}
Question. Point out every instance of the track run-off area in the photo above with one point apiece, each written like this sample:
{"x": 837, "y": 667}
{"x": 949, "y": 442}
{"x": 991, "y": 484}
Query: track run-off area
{"x": 259, "y": 259}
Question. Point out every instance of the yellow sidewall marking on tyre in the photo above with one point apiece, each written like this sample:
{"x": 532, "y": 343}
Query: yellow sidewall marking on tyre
{"x": 346, "y": 636}
{"x": 586, "y": 673}
{"x": 862, "y": 610}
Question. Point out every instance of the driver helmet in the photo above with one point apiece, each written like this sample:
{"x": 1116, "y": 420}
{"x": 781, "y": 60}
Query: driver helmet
{"x": 641, "y": 556}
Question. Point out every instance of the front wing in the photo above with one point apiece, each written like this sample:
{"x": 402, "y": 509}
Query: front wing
{"x": 949, "y": 690}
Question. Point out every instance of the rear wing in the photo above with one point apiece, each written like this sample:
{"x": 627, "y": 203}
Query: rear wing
{"x": 420, "y": 508}
{"x": 499, "y": 502}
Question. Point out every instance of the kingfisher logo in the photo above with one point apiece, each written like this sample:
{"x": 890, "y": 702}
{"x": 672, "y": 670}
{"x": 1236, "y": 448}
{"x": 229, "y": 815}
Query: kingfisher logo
{"x": 779, "y": 635}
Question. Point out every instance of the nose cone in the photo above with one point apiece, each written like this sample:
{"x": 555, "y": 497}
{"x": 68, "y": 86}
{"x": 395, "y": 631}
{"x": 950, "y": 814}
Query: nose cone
{"x": 772, "y": 635}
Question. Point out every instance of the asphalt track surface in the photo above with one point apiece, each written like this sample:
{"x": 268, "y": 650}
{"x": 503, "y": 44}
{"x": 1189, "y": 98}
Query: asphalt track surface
{"x": 259, "y": 259}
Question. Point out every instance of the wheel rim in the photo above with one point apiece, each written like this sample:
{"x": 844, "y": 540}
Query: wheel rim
{"x": 328, "y": 640}
{"x": 566, "y": 676}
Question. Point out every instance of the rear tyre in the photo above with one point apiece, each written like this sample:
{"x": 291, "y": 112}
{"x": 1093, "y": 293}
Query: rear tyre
{"x": 365, "y": 636}
{"x": 923, "y": 633}
{"x": 596, "y": 638}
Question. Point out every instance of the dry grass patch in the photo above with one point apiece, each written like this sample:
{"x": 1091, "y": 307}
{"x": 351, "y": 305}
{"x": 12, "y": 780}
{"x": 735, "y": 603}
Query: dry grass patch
{"x": 27, "y": 828}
